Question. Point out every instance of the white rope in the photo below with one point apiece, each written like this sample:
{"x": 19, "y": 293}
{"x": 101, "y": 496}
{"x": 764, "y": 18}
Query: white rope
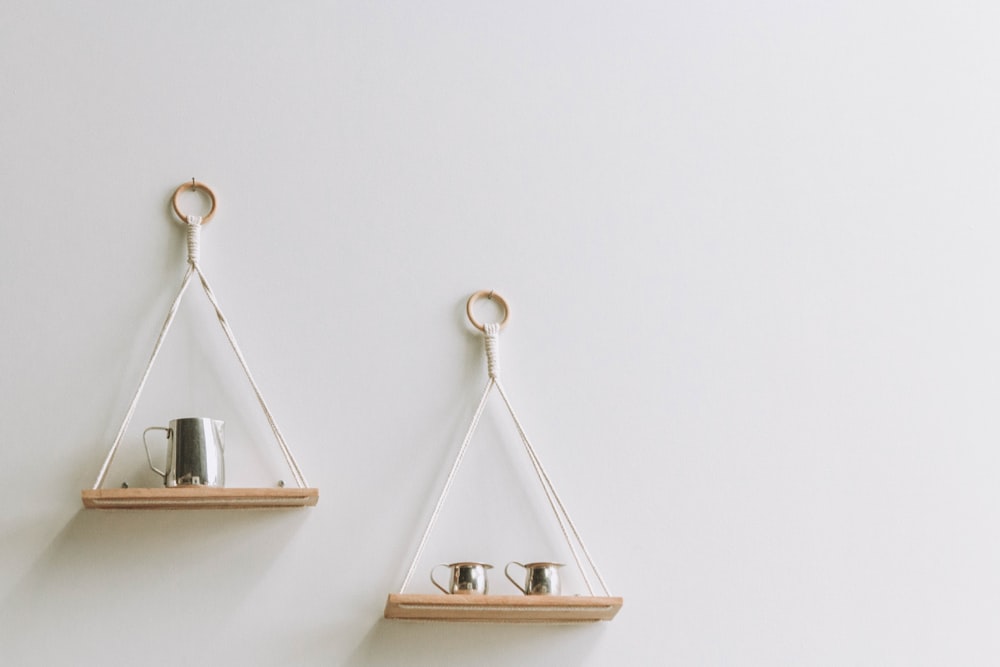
{"x": 447, "y": 483}
{"x": 193, "y": 244}
{"x": 566, "y": 525}
{"x": 142, "y": 382}
{"x": 289, "y": 459}
{"x": 555, "y": 500}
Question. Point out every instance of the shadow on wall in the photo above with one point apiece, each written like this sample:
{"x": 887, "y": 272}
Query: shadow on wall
{"x": 121, "y": 585}
{"x": 433, "y": 644}
{"x": 415, "y": 644}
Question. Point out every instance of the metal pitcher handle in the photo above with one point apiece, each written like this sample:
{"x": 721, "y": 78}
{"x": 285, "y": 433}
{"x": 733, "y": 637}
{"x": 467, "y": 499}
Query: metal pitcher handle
{"x": 443, "y": 589}
{"x": 146, "y": 445}
{"x": 507, "y": 574}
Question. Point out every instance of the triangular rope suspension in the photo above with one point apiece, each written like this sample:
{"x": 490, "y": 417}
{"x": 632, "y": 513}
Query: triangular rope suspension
{"x": 193, "y": 224}
{"x": 566, "y": 525}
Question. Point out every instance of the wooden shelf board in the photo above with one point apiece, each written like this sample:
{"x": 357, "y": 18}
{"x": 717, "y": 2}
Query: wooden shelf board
{"x": 198, "y": 497}
{"x": 502, "y": 608}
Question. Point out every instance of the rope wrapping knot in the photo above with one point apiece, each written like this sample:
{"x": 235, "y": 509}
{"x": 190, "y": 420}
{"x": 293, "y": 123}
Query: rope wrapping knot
{"x": 491, "y": 338}
{"x": 193, "y": 238}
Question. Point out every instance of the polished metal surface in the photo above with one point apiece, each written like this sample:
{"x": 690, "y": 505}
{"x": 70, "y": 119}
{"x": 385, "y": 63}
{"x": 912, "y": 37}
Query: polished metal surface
{"x": 540, "y": 578}
{"x": 194, "y": 452}
{"x": 465, "y": 579}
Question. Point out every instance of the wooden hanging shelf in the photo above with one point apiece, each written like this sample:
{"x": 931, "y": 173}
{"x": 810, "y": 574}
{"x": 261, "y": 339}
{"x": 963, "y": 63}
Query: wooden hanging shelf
{"x": 502, "y": 608}
{"x": 195, "y": 497}
{"x": 477, "y": 608}
{"x": 198, "y": 497}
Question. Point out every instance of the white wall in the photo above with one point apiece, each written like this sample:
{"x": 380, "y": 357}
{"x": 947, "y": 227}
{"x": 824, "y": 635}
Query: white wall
{"x": 751, "y": 255}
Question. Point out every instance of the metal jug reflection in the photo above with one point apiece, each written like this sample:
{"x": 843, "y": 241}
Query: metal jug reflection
{"x": 194, "y": 452}
{"x": 540, "y": 578}
{"x": 467, "y": 578}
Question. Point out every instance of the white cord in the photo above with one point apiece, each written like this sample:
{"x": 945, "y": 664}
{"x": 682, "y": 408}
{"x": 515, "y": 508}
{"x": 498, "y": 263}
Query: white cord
{"x": 142, "y": 382}
{"x": 447, "y": 483}
{"x": 555, "y": 501}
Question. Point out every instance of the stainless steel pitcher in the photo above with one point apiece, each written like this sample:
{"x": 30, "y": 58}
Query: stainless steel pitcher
{"x": 194, "y": 452}
{"x": 466, "y": 578}
{"x": 540, "y": 578}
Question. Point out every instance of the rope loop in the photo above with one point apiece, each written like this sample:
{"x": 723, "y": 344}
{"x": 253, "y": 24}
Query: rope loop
{"x": 491, "y": 337}
{"x": 193, "y": 238}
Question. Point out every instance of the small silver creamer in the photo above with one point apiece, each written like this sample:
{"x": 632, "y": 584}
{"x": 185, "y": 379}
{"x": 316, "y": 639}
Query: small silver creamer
{"x": 540, "y": 578}
{"x": 468, "y": 578}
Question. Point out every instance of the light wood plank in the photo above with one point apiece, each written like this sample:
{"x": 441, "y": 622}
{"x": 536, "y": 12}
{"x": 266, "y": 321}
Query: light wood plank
{"x": 502, "y": 608}
{"x": 198, "y": 497}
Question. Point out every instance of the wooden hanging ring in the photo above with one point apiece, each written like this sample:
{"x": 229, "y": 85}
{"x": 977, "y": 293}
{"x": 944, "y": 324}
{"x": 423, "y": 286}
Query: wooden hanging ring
{"x": 488, "y": 294}
{"x": 194, "y": 185}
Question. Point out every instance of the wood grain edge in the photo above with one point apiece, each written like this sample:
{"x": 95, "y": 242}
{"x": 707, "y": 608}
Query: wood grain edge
{"x": 198, "y": 498}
